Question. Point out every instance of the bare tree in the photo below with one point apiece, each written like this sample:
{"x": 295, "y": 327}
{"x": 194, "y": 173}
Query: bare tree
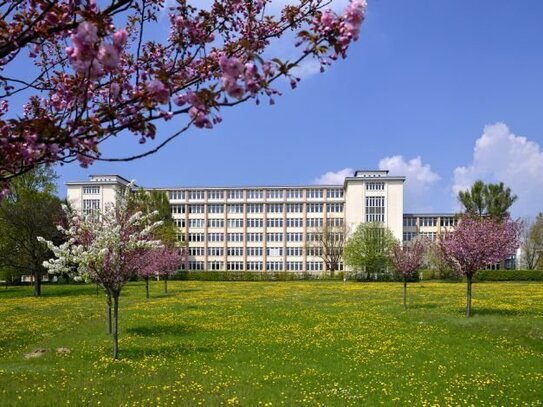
{"x": 327, "y": 242}
{"x": 532, "y": 242}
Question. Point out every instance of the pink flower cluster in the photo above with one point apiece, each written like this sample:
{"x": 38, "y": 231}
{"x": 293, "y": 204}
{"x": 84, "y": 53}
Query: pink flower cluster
{"x": 90, "y": 55}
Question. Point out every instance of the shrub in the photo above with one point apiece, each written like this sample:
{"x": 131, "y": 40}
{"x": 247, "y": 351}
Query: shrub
{"x": 509, "y": 275}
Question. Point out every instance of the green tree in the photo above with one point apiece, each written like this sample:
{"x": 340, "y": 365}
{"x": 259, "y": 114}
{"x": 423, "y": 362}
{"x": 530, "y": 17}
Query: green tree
{"x": 369, "y": 248}
{"x": 30, "y": 210}
{"x": 487, "y": 200}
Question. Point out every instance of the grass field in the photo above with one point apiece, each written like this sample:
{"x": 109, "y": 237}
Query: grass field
{"x": 294, "y": 343}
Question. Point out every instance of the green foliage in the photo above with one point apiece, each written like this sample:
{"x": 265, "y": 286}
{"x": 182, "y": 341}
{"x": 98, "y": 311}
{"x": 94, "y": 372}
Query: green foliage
{"x": 509, "y": 275}
{"x": 31, "y": 210}
{"x": 157, "y": 200}
{"x": 487, "y": 199}
{"x": 369, "y": 248}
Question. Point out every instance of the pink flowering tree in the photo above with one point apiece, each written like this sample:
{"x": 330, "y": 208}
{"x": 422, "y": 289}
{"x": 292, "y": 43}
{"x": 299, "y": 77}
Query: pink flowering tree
{"x": 407, "y": 258}
{"x": 97, "y": 71}
{"x": 107, "y": 248}
{"x": 163, "y": 261}
{"x": 479, "y": 242}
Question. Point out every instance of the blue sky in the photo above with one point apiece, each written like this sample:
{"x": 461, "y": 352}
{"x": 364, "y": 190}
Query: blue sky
{"x": 444, "y": 92}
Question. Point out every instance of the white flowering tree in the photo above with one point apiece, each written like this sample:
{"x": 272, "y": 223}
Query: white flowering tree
{"x": 107, "y": 248}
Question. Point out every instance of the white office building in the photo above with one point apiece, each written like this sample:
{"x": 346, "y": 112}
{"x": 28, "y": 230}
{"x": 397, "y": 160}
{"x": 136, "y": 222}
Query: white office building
{"x": 267, "y": 228}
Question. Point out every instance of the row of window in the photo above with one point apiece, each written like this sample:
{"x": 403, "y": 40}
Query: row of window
{"x": 445, "y": 221}
{"x": 375, "y": 186}
{"x": 237, "y": 194}
{"x": 254, "y": 251}
{"x": 258, "y": 237}
{"x": 258, "y": 223}
{"x": 257, "y": 265}
{"x": 375, "y": 209}
{"x": 408, "y": 236}
{"x": 91, "y": 189}
{"x": 257, "y": 208}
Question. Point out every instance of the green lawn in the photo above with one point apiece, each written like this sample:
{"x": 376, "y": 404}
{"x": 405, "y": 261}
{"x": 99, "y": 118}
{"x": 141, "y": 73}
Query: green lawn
{"x": 263, "y": 343}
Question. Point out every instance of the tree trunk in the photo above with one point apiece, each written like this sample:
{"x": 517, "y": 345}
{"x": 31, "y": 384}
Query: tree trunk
{"x": 165, "y": 284}
{"x": 468, "y": 295}
{"x": 115, "y": 325}
{"x": 108, "y": 314}
{"x": 147, "y": 287}
{"x": 37, "y": 284}
{"x": 404, "y": 292}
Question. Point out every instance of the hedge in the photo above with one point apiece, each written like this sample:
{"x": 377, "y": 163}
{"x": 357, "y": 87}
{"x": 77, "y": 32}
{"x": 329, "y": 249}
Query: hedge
{"x": 509, "y": 275}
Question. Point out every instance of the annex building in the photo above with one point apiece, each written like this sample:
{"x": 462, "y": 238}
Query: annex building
{"x": 269, "y": 228}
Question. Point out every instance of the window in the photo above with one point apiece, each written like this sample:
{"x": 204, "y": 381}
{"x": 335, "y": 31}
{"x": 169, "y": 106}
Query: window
{"x": 295, "y": 237}
{"x": 178, "y": 208}
{"x": 196, "y": 195}
{"x": 315, "y": 222}
{"x": 234, "y": 265}
{"x": 91, "y": 189}
{"x": 314, "y": 194}
{"x": 334, "y": 193}
{"x": 375, "y": 209}
{"x": 295, "y": 251}
{"x": 294, "y": 266}
{"x": 375, "y": 186}
{"x": 176, "y": 195}
{"x": 215, "y": 208}
{"x": 295, "y": 208}
{"x": 235, "y": 223}
{"x": 314, "y": 266}
{"x": 408, "y": 236}
{"x": 215, "y": 223}
{"x": 254, "y": 251}
{"x": 254, "y": 237}
{"x": 196, "y": 237}
{"x": 428, "y": 222}
{"x": 196, "y": 251}
{"x": 254, "y": 208}
{"x": 254, "y": 265}
{"x": 255, "y": 222}
{"x": 274, "y": 251}
{"x": 215, "y": 251}
{"x": 235, "y": 194}
{"x": 274, "y": 208}
{"x": 91, "y": 205}
{"x": 274, "y": 265}
{"x": 409, "y": 222}
{"x": 196, "y": 265}
{"x": 215, "y": 237}
{"x": 314, "y": 207}
{"x": 235, "y": 251}
{"x": 314, "y": 237}
{"x": 215, "y": 195}
{"x": 196, "y": 223}
{"x": 196, "y": 208}
{"x": 235, "y": 237}
{"x": 235, "y": 208}
{"x": 254, "y": 194}
{"x": 294, "y": 194}
{"x": 447, "y": 221}
{"x": 275, "y": 194}
{"x": 335, "y": 222}
{"x": 274, "y": 222}
{"x": 295, "y": 222}
{"x": 334, "y": 207}
{"x": 215, "y": 265}
{"x": 180, "y": 223}
{"x": 274, "y": 237}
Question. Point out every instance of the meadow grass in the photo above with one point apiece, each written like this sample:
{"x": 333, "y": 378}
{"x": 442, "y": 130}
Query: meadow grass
{"x": 275, "y": 343}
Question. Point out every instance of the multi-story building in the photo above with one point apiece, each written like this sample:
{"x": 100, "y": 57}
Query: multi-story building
{"x": 268, "y": 228}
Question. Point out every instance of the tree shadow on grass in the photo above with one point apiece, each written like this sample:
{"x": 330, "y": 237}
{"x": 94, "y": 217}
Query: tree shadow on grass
{"x": 170, "y": 350}
{"x": 163, "y": 329}
{"x": 497, "y": 311}
{"x": 428, "y": 305}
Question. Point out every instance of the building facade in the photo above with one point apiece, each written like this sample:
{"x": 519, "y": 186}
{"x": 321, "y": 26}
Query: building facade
{"x": 269, "y": 228}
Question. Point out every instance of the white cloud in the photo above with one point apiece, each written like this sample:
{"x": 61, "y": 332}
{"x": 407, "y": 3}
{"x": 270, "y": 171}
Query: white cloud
{"x": 334, "y": 178}
{"x": 418, "y": 184}
{"x": 501, "y": 156}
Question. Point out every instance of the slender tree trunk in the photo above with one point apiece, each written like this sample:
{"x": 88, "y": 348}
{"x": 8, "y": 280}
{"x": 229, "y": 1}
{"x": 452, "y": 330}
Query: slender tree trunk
{"x": 468, "y": 295}
{"x": 37, "y": 284}
{"x": 108, "y": 314}
{"x": 147, "y": 287}
{"x": 404, "y": 292}
{"x": 165, "y": 284}
{"x": 115, "y": 325}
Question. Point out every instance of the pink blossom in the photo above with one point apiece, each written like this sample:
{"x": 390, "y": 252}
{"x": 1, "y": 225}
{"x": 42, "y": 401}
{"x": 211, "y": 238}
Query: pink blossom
{"x": 108, "y": 55}
{"x": 158, "y": 92}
